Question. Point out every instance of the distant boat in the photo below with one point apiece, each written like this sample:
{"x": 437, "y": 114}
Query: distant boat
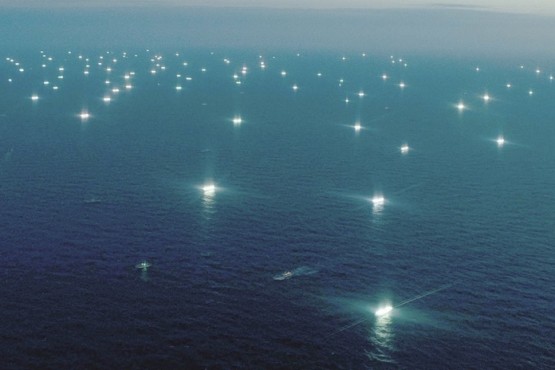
{"x": 284, "y": 275}
{"x": 299, "y": 271}
{"x": 92, "y": 200}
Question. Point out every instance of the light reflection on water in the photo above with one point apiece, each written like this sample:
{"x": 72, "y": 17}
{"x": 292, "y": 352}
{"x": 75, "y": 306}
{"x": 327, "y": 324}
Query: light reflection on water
{"x": 208, "y": 205}
{"x": 382, "y": 340}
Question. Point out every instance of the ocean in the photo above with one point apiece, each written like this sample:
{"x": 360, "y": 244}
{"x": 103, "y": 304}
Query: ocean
{"x": 223, "y": 209}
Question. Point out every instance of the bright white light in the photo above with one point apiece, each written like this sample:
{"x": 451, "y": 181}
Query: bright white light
{"x": 378, "y": 200}
{"x": 357, "y": 127}
{"x": 283, "y": 73}
{"x": 128, "y": 87}
{"x": 295, "y": 87}
{"x": 178, "y": 88}
{"x": 115, "y": 90}
{"x": 486, "y": 98}
{"x": 143, "y": 266}
{"x": 84, "y": 115}
{"x": 402, "y": 85}
{"x": 384, "y": 77}
{"x": 509, "y": 86}
{"x": 384, "y": 311}
{"x": 347, "y": 100}
{"x": 461, "y": 106}
{"x": 361, "y": 94}
{"x": 531, "y": 92}
{"x": 34, "y": 97}
{"x": 209, "y": 189}
{"x": 500, "y": 141}
{"x": 237, "y": 120}
{"x": 405, "y": 149}
{"x": 107, "y": 99}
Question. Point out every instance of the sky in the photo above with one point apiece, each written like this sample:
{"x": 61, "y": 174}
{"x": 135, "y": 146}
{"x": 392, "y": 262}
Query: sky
{"x": 516, "y": 6}
{"x": 453, "y": 27}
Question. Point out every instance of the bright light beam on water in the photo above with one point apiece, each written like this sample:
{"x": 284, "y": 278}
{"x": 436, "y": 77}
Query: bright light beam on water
{"x": 385, "y": 310}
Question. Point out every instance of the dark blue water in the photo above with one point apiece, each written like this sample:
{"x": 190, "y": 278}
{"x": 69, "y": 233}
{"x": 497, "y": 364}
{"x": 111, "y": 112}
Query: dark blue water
{"x": 85, "y": 201}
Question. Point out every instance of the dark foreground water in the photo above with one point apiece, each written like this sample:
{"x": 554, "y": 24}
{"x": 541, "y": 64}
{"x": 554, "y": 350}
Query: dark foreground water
{"x": 285, "y": 262}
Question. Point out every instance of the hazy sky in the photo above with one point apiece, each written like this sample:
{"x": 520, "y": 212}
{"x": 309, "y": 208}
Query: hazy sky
{"x": 398, "y": 26}
{"x": 519, "y": 6}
